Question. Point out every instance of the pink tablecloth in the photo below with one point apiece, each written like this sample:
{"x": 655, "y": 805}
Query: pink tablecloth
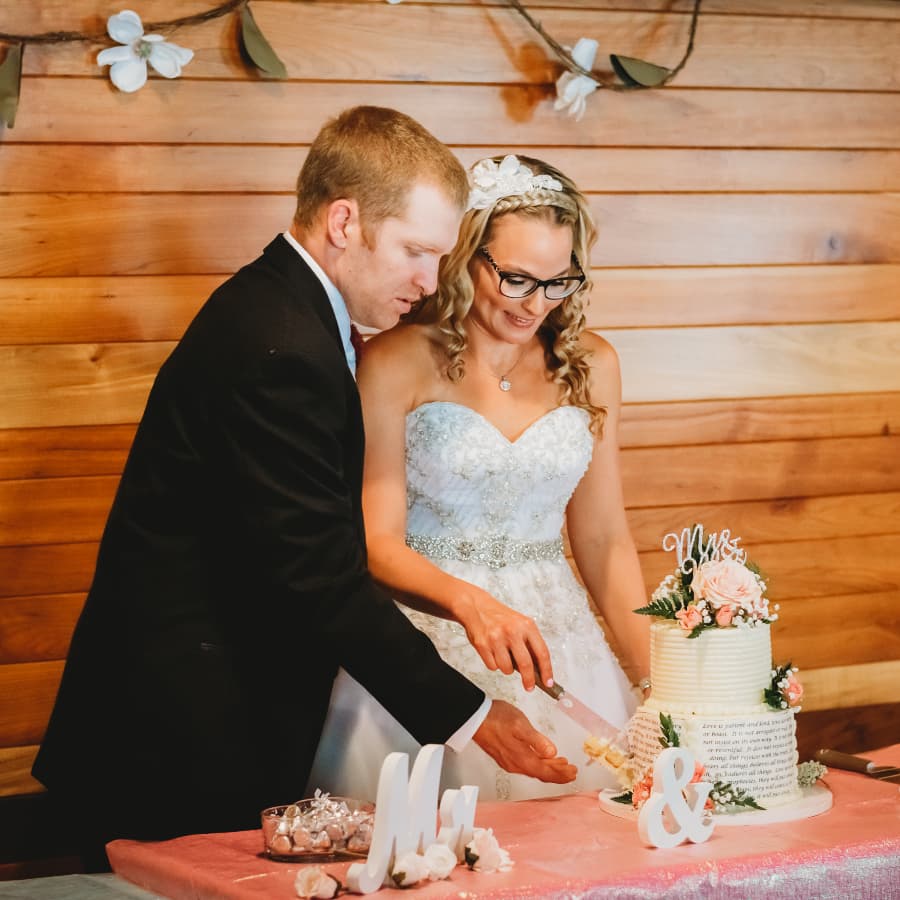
{"x": 569, "y": 847}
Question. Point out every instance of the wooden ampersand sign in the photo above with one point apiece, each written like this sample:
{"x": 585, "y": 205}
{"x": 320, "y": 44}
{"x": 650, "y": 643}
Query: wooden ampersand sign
{"x": 667, "y": 818}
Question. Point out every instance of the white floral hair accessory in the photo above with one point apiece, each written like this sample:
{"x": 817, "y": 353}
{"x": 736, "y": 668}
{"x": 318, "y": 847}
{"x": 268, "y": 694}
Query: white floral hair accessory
{"x": 490, "y": 181}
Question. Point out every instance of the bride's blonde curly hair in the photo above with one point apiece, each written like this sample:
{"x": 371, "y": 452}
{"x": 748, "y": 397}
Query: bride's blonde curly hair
{"x": 447, "y": 309}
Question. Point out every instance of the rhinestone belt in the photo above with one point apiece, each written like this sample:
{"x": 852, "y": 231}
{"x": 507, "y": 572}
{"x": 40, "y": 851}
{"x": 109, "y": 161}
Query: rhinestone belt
{"x": 493, "y": 552}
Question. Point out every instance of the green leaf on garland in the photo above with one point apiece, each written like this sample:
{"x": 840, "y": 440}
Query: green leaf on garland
{"x": 637, "y": 73}
{"x": 623, "y": 798}
{"x": 258, "y": 50}
{"x": 10, "y": 81}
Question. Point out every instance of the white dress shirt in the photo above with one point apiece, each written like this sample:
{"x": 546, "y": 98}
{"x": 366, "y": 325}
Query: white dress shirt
{"x": 465, "y": 732}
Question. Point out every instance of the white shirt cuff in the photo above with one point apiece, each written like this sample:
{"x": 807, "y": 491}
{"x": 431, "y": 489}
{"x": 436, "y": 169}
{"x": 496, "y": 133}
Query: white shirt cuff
{"x": 458, "y": 740}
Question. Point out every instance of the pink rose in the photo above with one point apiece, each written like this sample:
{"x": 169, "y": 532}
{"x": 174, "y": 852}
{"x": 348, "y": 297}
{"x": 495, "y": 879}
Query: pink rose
{"x": 699, "y": 772}
{"x": 794, "y": 691}
{"x": 689, "y": 618}
{"x": 727, "y": 581}
{"x": 641, "y": 791}
{"x": 724, "y": 615}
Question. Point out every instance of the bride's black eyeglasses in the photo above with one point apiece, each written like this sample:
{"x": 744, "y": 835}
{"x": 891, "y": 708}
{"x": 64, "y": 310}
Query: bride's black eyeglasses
{"x": 517, "y": 286}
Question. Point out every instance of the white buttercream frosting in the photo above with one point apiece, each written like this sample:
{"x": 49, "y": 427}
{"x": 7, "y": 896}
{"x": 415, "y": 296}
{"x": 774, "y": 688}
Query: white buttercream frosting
{"x": 713, "y": 688}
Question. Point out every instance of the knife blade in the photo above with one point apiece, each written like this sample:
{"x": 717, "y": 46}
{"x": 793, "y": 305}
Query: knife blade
{"x": 581, "y": 713}
{"x": 858, "y": 764}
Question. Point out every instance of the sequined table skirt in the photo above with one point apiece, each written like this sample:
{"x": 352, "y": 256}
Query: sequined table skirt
{"x": 569, "y": 848}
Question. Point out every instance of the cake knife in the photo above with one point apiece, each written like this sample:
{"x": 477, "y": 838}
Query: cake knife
{"x": 858, "y": 764}
{"x": 581, "y": 713}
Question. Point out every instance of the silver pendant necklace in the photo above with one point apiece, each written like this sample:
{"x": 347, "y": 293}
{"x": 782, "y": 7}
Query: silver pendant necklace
{"x": 503, "y": 381}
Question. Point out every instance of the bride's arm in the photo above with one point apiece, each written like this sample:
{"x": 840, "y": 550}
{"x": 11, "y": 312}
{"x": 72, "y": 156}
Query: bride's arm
{"x": 598, "y": 530}
{"x": 397, "y": 365}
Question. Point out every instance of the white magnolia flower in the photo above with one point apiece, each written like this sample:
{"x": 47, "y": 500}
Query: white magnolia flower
{"x": 572, "y": 89}
{"x": 312, "y": 882}
{"x": 484, "y": 854}
{"x": 129, "y": 62}
{"x": 409, "y": 869}
{"x": 441, "y": 861}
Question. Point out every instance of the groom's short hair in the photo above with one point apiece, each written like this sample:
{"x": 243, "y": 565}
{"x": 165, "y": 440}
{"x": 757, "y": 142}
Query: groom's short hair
{"x": 374, "y": 155}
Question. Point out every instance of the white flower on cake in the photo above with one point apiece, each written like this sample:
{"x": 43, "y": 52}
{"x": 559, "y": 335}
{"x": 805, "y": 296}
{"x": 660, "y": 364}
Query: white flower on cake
{"x": 311, "y": 882}
{"x": 128, "y": 63}
{"x": 484, "y": 853}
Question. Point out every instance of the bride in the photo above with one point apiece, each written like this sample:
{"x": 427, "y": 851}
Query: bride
{"x": 491, "y": 421}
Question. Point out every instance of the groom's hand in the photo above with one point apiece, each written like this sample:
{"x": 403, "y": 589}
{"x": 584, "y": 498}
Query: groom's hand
{"x": 508, "y": 736}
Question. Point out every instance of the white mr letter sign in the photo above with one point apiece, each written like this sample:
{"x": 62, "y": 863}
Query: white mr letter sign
{"x": 406, "y": 816}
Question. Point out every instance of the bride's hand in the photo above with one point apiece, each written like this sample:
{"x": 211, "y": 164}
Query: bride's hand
{"x": 505, "y": 639}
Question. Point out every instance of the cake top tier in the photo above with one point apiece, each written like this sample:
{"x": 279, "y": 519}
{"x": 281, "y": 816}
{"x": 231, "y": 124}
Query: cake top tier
{"x": 713, "y": 585}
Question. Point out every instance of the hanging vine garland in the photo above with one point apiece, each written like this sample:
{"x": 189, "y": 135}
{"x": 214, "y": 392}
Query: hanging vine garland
{"x": 140, "y": 44}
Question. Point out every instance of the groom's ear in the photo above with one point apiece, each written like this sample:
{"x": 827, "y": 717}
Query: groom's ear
{"x": 342, "y": 221}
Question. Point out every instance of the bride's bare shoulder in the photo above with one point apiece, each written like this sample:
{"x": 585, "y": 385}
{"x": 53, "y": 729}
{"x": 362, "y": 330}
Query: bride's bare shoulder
{"x": 404, "y": 358}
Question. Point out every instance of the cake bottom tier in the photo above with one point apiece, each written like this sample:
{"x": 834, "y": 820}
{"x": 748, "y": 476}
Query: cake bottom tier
{"x": 757, "y": 752}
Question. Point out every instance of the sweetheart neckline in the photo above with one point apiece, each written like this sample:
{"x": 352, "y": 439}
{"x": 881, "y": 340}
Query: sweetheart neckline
{"x": 488, "y": 422}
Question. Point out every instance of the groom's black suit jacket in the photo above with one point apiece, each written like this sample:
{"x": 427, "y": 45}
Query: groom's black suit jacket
{"x": 231, "y": 581}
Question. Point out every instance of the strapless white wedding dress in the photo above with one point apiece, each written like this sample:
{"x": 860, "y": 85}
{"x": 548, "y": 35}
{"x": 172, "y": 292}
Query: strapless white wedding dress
{"x": 490, "y": 511}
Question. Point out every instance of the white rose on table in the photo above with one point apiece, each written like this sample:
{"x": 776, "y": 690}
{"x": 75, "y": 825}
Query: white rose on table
{"x": 311, "y": 882}
{"x": 726, "y": 582}
{"x": 484, "y": 854}
{"x": 409, "y": 869}
{"x": 441, "y": 861}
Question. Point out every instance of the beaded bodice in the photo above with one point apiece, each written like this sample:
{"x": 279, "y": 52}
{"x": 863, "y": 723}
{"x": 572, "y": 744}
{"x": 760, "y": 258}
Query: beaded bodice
{"x": 465, "y": 479}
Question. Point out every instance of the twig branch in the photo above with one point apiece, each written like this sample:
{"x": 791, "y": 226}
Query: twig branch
{"x": 62, "y": 37}
{"x": 566, "y": 58}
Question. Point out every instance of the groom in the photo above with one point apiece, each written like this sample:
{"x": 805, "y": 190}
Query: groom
{"x": 231, "y": 581}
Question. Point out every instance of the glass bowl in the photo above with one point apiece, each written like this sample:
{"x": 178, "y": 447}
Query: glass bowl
{"x": 318, "y": 829}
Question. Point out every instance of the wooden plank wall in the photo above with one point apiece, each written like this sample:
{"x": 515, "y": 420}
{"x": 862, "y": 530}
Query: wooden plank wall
{"x": 748, "y": 271}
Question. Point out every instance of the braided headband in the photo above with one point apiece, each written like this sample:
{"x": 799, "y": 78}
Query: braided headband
{"x": 491, "y": 181}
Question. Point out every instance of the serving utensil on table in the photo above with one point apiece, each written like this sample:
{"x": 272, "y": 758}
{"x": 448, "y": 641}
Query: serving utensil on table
{"x": 858, "y": 764}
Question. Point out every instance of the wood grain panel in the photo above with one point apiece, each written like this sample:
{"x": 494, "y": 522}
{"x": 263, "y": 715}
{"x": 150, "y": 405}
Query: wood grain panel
{"x": 129, "y": 234}
{"x": 101, "y": 449}
{"x": 27, "y": 692}
{"x": 100, "y": 309}
{"x": 66, "y": 109}
{"x": 49, "y": 15}
{"x": 76, "y": 384}
{"x": 257, "y": 168}
{"x": 49, "y": 569}
{"x": 86, "y": 384}
{"x": 849, "y": 565}
{"x": 805, "y": 632}
{"x": 39, "y": 628}
{"x": 750, "y": 419}
{"x": 55, "y": 510}
{"x": 477, "y": 44}
{"x": 757, "y": 361}
{"x": 846, "y": 686}
{"x": 73, "y": 309}
{"x": 765, "y": 521}
{"x": 15, "y": 771}
{"x": 54, "y": 452}
{"x": 721, "y": 473}
{"x": 715, "y": 295}
{"x": 856, "y": 729}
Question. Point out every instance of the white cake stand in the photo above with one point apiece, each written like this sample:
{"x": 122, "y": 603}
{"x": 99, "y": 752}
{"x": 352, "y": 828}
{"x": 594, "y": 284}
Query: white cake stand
{"x": 813, "y": 801}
